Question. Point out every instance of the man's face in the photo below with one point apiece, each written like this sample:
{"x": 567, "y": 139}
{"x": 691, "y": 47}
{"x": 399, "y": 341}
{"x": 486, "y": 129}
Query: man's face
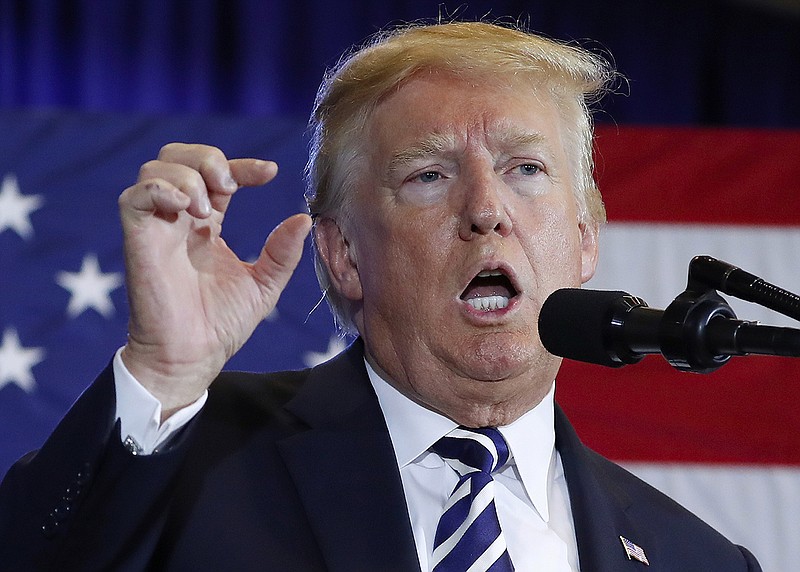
{"x": 461, "y": 227}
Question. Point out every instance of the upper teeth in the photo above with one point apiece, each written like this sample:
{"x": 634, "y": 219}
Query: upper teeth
{"x": 487, "y": 273}
{"x": 488, "y": 303}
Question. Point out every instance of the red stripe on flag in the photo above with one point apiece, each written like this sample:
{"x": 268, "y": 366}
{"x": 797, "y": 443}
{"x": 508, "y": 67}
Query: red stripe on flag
{"x": 727, "y": 176}
{"x": 745, "y": 412}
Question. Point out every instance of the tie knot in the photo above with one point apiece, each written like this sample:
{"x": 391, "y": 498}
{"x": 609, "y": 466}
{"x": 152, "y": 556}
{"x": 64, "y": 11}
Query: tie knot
{"x": 469, "y": 450}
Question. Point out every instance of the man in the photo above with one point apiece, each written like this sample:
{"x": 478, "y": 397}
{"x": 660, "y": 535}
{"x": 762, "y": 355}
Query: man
{"x": 451, "y": 192}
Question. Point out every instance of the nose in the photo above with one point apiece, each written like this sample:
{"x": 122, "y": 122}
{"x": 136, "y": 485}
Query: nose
{"x": 485, "y": 210}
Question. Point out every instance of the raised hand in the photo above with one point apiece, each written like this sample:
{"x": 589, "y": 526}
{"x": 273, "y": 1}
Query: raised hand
{"x": 193, "y": 303}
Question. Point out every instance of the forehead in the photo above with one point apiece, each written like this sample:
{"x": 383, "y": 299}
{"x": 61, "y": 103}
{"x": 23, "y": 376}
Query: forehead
{"x": 436, "y": 111}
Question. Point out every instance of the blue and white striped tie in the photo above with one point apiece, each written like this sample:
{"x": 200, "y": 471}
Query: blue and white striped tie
{"x": 468, "y": 538}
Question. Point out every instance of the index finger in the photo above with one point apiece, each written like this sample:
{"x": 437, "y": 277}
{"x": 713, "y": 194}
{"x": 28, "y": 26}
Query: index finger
{"x": 246, "y": 173}
{"x": 252, "y": 172}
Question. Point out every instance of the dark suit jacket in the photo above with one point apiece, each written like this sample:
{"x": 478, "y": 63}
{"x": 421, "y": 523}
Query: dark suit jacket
{"x": 290, "y": 471}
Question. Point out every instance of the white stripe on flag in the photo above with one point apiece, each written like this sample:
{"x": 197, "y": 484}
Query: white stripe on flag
{"x": 651, "y": 260}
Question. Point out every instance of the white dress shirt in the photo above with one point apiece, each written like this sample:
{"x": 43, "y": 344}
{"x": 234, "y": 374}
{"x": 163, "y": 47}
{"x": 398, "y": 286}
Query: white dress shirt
{"x": 531, "y": 493}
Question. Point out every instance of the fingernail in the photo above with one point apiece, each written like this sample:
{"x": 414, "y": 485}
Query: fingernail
{"x": 205, "y": 206}
{"x": 230, "y": 184}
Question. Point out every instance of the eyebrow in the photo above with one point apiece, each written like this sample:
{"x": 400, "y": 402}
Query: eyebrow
{"x": 513, "y": 139}
{"x": 432, "y": 144}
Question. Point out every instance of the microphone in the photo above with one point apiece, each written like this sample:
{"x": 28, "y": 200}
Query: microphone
{"x": 614, "y": 328}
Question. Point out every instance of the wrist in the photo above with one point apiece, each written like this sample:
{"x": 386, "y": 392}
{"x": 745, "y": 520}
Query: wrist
{"x": 176, "y": 384}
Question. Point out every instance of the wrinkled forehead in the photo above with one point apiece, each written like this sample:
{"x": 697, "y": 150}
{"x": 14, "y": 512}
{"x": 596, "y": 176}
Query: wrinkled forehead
{"x": 434, "y": 113}
{"x": 544, "y": 88}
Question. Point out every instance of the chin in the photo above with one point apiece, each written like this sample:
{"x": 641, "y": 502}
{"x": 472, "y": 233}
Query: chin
{"x": 495, "y": 357}
{"x": 499, "y": 377}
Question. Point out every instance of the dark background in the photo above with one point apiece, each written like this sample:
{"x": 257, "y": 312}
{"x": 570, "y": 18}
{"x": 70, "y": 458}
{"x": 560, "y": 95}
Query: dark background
{"x": 695, "y": 62}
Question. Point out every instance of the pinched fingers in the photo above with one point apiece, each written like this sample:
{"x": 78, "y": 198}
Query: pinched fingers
{"x": 221, "y": 177}
{"x": 203, "y": 174}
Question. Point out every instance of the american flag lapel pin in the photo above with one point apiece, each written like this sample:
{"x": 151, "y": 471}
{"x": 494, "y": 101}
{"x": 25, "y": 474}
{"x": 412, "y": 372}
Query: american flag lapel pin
{"x": 633, "y": 551}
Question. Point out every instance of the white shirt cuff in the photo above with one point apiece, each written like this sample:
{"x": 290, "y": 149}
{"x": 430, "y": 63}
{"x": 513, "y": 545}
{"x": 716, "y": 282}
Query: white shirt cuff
{"x": 139, "y": 413}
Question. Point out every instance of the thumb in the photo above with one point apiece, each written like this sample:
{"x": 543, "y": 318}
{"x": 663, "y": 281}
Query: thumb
{"x": 279, "y": 257}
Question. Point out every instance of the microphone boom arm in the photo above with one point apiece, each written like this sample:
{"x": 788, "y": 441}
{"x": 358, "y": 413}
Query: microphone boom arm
{"x": 699, "y": 331}
{"x": 728, "y": 279}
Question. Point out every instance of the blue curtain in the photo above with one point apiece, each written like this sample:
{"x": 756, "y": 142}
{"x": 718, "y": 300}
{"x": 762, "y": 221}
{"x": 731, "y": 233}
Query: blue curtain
{"x": 714, "y": 62}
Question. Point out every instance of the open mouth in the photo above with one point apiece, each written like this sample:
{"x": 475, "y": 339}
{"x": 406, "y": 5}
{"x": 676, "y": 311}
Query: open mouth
{"x": 490, "y": 290}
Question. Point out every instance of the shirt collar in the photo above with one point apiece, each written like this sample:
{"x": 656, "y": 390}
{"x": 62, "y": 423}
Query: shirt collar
{"x": 531, "y": 438}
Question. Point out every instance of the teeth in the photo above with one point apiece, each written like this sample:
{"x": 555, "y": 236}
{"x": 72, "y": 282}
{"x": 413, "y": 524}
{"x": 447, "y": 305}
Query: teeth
{"x": 488, "y": 303}
{"x": 487, "y": 273}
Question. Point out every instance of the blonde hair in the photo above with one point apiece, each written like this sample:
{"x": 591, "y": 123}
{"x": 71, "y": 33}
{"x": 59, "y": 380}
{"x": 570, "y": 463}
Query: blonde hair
{"x": 351, "y": 90}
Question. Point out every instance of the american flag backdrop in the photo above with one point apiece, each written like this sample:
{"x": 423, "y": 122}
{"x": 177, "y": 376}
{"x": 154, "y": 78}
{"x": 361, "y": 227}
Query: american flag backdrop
{"x": 724, "y": 444}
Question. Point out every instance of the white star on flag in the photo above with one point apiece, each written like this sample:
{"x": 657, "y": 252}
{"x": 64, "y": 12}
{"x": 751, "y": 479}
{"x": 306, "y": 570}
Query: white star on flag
{"x": 90, "y": 288}
{"x": 16, "y": 362}
{"x": 16, "y": 208}
{"x": 335, "y": 345}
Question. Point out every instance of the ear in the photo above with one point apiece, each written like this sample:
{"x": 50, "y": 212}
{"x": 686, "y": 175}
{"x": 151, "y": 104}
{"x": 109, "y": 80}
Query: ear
{"x": 589, "y": 249}
{"x": 339, "y": 258}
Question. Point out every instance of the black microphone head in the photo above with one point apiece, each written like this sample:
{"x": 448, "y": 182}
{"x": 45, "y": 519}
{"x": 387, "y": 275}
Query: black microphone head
{"x": 573, "y": 322}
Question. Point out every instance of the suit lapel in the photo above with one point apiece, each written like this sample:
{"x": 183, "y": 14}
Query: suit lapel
{"x": 345, "y": 470}
{"x": 346, "y": 475}
{"x": 598, "y": 505}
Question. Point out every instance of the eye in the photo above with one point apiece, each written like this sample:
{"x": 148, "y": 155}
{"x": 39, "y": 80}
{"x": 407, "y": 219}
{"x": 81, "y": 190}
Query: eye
{"x": 428, "y": 177}
{"x": 529, "y": 169}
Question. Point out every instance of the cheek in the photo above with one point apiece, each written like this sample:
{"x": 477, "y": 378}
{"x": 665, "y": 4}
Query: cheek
{"x": 399, "y": 249}
{"x": 553, "y": 244}
{"x": 411, "y": 230}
